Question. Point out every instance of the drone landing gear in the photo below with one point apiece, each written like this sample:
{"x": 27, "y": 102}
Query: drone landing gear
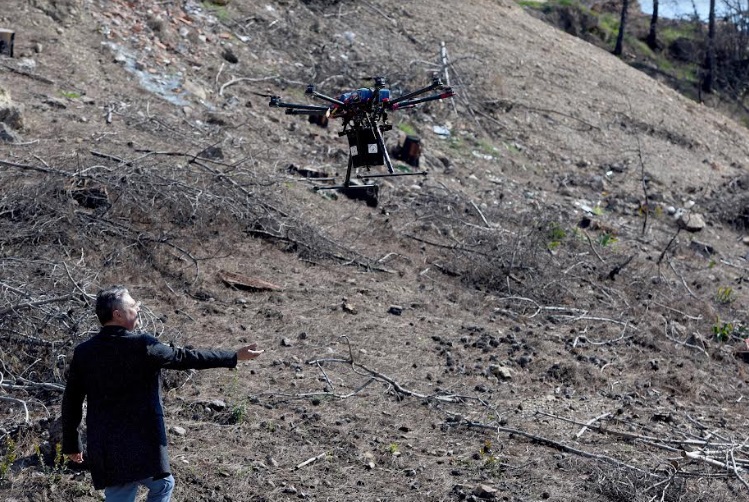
{"x": 366, "y": 148}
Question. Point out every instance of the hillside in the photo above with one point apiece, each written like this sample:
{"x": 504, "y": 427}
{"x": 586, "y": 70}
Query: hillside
{"x": 575, "y": 256}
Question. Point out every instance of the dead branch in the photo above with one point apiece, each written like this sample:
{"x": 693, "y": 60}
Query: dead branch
{"x": 32, "y": 76}
{"x": 703, "y": 458}
{"x": 591, "y": 422}
{"x": 36, "y": 303}
{"x": 18, "y": 401}
{"x": 33, "y": 386}
{"x": 358, "y": 368}
{"x": 244, "y": 79}
{"x": 590, "y": 243}
{"x": 34, "y": 168}
{"x": 310, "y": 460}
{"x": 555, "y": 444}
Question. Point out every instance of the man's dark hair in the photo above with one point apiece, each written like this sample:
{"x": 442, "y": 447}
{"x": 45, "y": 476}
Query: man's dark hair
{"x": 107, "y": 301}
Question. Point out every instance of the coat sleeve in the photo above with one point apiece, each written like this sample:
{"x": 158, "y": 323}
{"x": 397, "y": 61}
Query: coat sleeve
{"x": 175, "y": 358}
{"x": 72, "y": 410}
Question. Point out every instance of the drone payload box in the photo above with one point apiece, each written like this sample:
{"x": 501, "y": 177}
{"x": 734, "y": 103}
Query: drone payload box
{"x": 7, "y": 38}
{"x": 364, "y": 148}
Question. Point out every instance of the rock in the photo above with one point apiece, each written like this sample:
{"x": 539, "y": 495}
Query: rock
{"x": 217, "y": 404}
{"x": 691, "y": 222}
{"x": 195, "y": 89}
{"x": 6, "y": 135}
{"x": 55, "y": 103}
{"x": 347, "y": 307}
{"x": 500, "y": 372}
{"x": 212, "y": 152}
{"x": 705, "y": 250}
{"x": 485, "y": 492}
{"x": 285, "y": 342}
{"x": 395, "y": 310}
{"x": 229, "y": 56}
{"x": 10, "y": 114}
{"x": 179, "y": 431}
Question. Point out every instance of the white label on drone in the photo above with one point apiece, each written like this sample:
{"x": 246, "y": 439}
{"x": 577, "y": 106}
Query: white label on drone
{"x": 354, "y": 151}
{"x": 372, "y": 148}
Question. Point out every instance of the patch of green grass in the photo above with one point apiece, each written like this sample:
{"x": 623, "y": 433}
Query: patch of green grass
{"x": 486, "y": 147}
{"x": 609, "y": 24}
{"x": 455, "y": 143}
{"x": 606, "y": 239}
{"x": 668, "y": 34}
{"x": 70, "y": 94}
{"x": 725, "y": 295}
{"x": 220, "y": 11}
{"x": 555, "y": 236}
{"x": 407, "y": 128}
{"x": 531, "y": 4}
{"x": 8, "y": 458}
{"x": 238, "y": 413}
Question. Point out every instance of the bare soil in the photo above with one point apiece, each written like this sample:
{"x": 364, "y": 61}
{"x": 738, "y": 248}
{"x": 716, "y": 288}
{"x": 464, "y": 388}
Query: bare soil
{"x": 450, "y": 344}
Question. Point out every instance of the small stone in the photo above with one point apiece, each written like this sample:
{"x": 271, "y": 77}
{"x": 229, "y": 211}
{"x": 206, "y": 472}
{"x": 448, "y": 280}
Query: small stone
{"x": 395, "y": 310}
{"x": 179, "y": 431}
{"x": 485, "y": 492}
{"x": 217, "y": 404}
{"x": 285, "y": 342}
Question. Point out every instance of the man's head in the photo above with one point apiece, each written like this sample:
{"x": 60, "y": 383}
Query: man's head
{"x": 115, "y": 307}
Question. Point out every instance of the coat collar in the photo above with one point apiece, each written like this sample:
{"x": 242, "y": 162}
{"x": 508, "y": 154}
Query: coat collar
{"x": 113, "y": 331}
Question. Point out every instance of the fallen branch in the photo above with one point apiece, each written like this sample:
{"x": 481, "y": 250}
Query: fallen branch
{"x": 244, "y": 79}
{"x": 18, "y": 401}
{"x": 310, "y": 460}
{"x": 35, "y": 303}
{"x": 589, "y": 423}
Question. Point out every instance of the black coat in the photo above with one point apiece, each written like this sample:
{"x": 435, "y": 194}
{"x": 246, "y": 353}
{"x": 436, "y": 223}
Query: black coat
{"x": 119, "y": 373}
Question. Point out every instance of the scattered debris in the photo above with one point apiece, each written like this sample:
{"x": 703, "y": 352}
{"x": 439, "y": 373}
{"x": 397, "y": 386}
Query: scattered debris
{"x": 240, "y": 281}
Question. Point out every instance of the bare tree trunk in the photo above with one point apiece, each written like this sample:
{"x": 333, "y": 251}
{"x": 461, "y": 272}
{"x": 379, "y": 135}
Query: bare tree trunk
{"x": 709, "y": 80}
{"x": 653, "y": 34}
{"x": 622, "y": 25}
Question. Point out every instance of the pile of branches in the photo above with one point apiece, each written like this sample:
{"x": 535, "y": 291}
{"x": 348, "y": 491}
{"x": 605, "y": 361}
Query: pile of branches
{"x": 65, "y": 226}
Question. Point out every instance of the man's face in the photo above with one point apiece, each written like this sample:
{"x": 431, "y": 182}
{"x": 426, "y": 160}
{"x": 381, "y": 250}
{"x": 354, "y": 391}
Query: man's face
{"x": 127, "y": 314}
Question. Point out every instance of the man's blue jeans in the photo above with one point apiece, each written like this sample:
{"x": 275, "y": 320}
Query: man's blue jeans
{"x": 159, "y": 490}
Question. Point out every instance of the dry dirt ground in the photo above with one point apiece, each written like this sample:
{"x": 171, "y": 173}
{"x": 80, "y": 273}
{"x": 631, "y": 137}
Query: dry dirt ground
{"x": 450, "y": 344}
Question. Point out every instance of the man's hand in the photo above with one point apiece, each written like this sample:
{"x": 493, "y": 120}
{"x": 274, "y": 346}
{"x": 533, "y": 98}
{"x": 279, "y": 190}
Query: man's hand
{"x": 248, "y": 352}
{"x": 75, "y": 457}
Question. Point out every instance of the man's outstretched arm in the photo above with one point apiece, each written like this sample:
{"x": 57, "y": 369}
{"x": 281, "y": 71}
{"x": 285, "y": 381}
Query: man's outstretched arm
{"x": 167, "y": 356}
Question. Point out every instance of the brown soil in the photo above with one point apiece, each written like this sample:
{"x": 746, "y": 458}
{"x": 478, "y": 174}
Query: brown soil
{"x": 534, "y": 281}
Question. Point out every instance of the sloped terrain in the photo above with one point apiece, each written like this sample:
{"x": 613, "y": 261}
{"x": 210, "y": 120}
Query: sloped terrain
{"x": 575, "y": 255}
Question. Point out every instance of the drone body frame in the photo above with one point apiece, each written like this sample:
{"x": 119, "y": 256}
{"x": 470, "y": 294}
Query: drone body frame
{"x": 364, "y": 113}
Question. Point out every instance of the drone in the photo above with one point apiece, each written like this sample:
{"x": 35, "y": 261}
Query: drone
{"x": 364, "y": 114}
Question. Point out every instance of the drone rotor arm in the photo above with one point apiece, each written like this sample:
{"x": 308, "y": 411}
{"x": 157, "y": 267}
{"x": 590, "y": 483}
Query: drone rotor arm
{"x": 413, "y": 102}
{"x": 436, "y": 84}
{"x": 327, "y": 98}
{"x": 297, "y": 106}
{"x": 298, "y": 111}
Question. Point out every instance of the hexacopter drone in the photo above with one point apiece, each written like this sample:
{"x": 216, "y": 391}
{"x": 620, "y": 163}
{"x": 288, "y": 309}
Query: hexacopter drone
{"x": 364, "y": 115}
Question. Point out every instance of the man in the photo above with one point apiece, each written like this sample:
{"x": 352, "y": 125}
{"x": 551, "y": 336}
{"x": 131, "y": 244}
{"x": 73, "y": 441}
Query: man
{"x": 118, "y": 372}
